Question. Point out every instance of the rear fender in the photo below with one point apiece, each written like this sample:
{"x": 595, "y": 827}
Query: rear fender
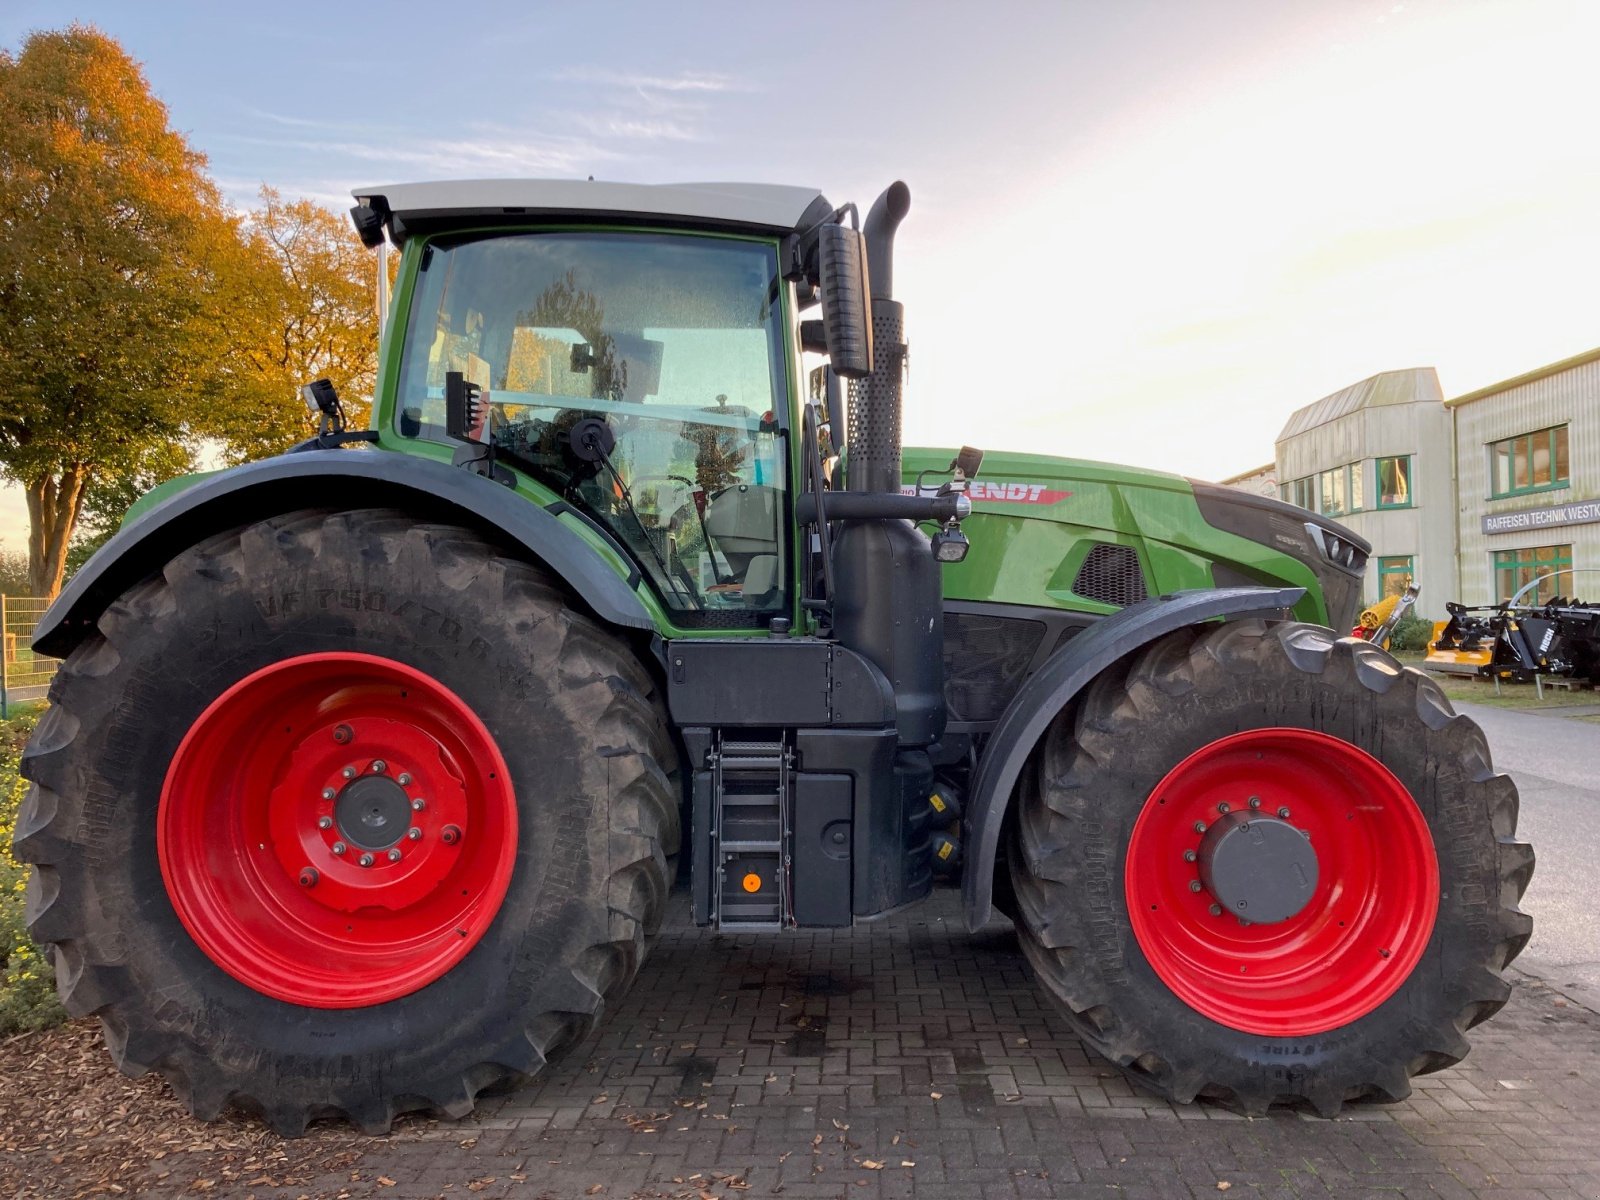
{"x": 1053, "y": 686}
{"x": 333, "y": 479}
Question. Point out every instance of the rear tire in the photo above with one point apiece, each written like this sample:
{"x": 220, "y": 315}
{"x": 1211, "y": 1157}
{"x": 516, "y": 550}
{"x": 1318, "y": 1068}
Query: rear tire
{"x": 1185, "y": 721}
{"x": 270, "y": 1013}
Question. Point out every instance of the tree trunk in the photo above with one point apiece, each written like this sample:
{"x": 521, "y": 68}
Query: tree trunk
{"x": 54, "y": 502}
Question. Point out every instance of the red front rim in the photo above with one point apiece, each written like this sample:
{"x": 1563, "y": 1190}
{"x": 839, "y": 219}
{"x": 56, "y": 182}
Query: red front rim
{"x": 337, "y": 830}
{"x": 1368, "y": 918}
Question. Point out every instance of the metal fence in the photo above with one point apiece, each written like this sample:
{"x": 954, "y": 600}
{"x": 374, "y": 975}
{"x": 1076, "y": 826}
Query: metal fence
{"x": 24, "y": 675}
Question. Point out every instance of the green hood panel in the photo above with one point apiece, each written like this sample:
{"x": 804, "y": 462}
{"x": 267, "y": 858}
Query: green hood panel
{"x": 1036, "y": 517}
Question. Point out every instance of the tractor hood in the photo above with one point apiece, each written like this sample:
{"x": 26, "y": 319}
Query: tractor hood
{"x": 1036, "y": 519}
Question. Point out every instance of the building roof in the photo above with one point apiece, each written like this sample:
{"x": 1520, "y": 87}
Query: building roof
{"x": 1250, "y": 474}
{"x": 1416, "y": 385}
{"x": 1505, "y": 385}
{"x": 760, "y": 205}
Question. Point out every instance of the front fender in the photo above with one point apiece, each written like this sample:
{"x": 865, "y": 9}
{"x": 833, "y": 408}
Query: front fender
{"x": 1053, "y": 686}
{"x": 332, "y": 479}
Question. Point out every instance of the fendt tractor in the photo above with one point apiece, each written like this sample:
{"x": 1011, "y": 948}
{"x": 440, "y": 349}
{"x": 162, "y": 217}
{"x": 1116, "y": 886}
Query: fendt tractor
{"x": 370, "y": 768}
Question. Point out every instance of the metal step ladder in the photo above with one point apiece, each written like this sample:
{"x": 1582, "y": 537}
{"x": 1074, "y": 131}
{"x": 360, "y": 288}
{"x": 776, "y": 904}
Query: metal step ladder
{"x": 751, "y": 788}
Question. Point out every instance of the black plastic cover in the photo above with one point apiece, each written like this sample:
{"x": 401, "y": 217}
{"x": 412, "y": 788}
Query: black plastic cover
{"x": 331, "y": 479}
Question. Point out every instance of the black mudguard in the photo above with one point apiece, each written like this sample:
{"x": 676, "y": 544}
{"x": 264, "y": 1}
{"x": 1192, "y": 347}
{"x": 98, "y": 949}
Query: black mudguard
{"x": 333, "y": 479}
{"x": 1053, "y": 686}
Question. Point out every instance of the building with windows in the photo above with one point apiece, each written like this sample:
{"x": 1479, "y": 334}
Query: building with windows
{"x": 1473, "y": 497}
{"x": 1528, "y": 463}
{"x": 1375, "y": 455}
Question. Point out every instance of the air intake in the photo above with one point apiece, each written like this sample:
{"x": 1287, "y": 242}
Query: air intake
{"x": 1111, "y": 575}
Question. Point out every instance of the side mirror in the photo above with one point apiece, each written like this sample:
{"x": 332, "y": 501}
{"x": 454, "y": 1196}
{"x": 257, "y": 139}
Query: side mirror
{"x": 842, "y": 271}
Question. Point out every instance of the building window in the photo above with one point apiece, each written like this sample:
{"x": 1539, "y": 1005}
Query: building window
{"x": 1395, "y": 574}
{"x": 1530, "y": 462}
{"x": 1301, "y": 491}
{"x": 1331, "y": 486}
{"x": 1340, "y": 490}
{"x": 1515, "y": 569}
{"x": 1394, "y": 481}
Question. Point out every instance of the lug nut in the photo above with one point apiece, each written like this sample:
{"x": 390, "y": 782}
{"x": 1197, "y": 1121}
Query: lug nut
{"x": 324, "y": 822}
{"x": 414, "y": 834}
{"x": 1194, "y": 885}
{"x": 1216, "y": 910}
{"x": 343, "y": 733}
{"x": 450, "y": 835}
{"x": 404, "y": 779}
{"x": 418, "y": 804}
{"x": 339, "y": 847}
{"x": 1189, "y": 856}
{"x": 309, "y": 877}
{"x": 348, "y": 772}
{"x": 394, "y": 855}
{"x": 328, "y": 793}
{"x": 1224, "y": 807}
{"x": 365, "y": 860}
{"x": 1284, "y": 813}
{"x": 1255, "y": 801}
{"x": 1199, "y": 826}
{"x": 379, "y": 765}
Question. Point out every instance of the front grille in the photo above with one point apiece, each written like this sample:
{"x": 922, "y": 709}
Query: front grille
{"x": 985, "y": 660}
{"x": 1111, "y": 575}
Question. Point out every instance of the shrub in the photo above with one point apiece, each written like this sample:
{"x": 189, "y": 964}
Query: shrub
{"x": 1411, "y": 634}
{"x": 27, "y": 982}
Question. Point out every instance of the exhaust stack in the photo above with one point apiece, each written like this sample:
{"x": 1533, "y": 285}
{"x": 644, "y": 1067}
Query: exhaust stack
{"x": 874, "y": 410}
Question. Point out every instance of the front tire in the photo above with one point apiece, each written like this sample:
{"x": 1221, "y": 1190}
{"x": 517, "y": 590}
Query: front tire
{"x": 1386, "y": 872}
{"x": 246, "y": 923}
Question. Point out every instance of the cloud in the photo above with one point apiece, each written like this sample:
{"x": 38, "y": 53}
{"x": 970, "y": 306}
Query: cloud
{"x": 684, "y": 81}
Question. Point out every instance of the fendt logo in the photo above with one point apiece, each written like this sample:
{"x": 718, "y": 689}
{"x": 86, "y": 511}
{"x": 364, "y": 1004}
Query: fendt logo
{"x": 1009, "y": 493}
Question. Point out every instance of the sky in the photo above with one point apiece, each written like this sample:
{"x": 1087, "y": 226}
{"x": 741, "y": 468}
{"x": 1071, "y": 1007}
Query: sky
{"x": 1141, "y": 231}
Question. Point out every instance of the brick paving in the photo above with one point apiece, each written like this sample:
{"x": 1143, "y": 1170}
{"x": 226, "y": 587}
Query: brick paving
{"x": 787, "y": 1065}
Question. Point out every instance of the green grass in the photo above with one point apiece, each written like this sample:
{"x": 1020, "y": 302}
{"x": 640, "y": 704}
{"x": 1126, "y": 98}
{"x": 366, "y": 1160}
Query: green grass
{"x": 27, "y": 982}
{"x": 1522, "y": 697}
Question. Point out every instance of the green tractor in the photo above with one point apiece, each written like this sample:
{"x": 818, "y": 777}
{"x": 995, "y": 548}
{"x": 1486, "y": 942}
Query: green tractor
{"x": 371, "y": 768}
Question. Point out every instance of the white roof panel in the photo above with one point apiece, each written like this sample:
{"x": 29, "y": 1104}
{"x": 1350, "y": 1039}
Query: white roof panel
{"x": 764, "y": 205}
{"x": 1412, "y": 386}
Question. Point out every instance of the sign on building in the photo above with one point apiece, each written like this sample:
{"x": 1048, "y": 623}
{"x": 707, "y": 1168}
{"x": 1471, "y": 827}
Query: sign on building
{"x": 1581, "y": 513}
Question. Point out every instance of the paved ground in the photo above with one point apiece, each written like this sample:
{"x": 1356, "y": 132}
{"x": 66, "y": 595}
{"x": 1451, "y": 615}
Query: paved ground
{"x": 1556, "y": 763}
{"x": 909, "y": 1059}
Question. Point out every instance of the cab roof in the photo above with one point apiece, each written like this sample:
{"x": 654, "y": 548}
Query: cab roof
{"x": 753, "y": 206}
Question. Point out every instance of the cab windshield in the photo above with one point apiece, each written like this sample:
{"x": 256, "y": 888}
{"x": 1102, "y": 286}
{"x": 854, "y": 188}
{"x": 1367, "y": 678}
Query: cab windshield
{"x": 636, "y": 374}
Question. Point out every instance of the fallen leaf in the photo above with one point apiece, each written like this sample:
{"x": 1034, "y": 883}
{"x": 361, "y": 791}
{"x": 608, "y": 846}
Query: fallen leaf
{"x": 1223, "y": 1185}
{"x": 838, "y": 1124}
{"x": 937, "y": 1095}
{"x": 595, "y": 1190}
{"x": 871, "y": 1164}
{"x": 906, "y": 1162}
{"x": 385, "y": 1181}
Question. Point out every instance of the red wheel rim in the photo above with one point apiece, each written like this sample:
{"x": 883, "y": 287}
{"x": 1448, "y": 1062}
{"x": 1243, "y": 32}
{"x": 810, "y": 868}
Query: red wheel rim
{"x": 1369, "y": 916}
{"x": 337, "y": 830}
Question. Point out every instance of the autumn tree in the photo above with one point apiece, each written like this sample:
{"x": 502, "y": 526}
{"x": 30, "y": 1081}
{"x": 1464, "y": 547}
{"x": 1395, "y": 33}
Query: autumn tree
{"x": 108, "y": 229}
{"x": 303, "y": 310}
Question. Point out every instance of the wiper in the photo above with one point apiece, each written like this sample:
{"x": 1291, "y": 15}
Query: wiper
{"x": 592, "y": 443}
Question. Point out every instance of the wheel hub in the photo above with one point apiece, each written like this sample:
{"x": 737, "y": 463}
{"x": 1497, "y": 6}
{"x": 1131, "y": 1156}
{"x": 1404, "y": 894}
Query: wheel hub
{"x": 373, "y": 812}
{"x": 1248, "y": 924}
{"x": 1258, "y": 867}
{"x": 337, "y": 830}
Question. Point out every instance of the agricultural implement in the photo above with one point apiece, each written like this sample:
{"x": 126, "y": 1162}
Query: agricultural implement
{"x": 1519, "y": 642}
{"x": 370, "y": 768}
